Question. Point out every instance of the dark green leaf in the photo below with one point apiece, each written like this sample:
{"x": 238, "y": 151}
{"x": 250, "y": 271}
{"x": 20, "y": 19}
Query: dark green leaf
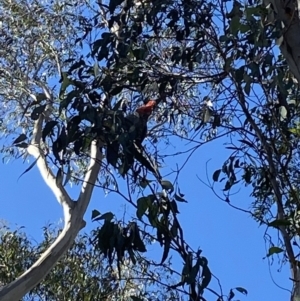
{"x": 48, "y": 129}
{"x": 167, "y": 245}
{"x": 178, "y": 198}
{"x": 76, "y": 65}
{"x": 242, "y": 290}
{"x": 116, "y": 90}
{"x": 180, "y": 194}
{"x": 40, "y": 97}
{"x": 95, "y": 213}
{"x": 159, "y": 236}
{"x": 239, "y": 74}
{"x": 103, "y": 53}
{"x": 174, "y": 207}
{"x": 228, "y": 185}
{"x": 237, "y": 163}
{"x": 216, "y": 175}
{"x": 174, "y": 229}
{"x": 223, "y": 38}
{"x": 73, "y": 123}
{"x": 113, "y": 5}
{"x": 244, "y": 28}
{"x": 112, "y": 153}
{"x": 217, "y": 121}
{"x": 37, "y": 112}
{"x": 247, "y": 175}
{"x": 144, "y": 183}
{"x": 132, "y": 256}
{"x": 167, "y": 185}
{"x": 274, "y": 250}
{"x": 139, "y": 53}
{"x": 22, "y": 145}
{"x": 235, "y": 25}
{"x": 108, "y": 216}
{"x": 206, "y": 276}
{"x": 247, "y": 142}
{"x": 68, "y": 98}
{"x": 31, "y": 166}
{"x": 78, "y": 146}
{"x": 96, "y": 45}
{"x": 106, "y": 83}
{"x": 231, "y": 295}
{"x": 142, "y": 206}
{"x": 152, "y": 217}
{"x": 137, "y": 242}
{"x": 21, "y": 138}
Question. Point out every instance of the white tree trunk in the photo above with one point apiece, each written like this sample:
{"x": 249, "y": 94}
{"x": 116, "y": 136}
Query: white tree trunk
{"x": 73, "y": 217}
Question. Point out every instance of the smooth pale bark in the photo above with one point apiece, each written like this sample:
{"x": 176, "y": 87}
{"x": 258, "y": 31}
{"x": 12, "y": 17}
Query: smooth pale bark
{"x": 73, "y": 217}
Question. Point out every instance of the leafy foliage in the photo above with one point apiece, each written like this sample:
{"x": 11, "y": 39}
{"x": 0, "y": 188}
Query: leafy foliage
{"x": 82, "y": 273}
{"x": 213, "y": 71}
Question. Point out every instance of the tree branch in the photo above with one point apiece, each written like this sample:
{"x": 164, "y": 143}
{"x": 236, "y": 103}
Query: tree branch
{"x": 289, "y": 42}
{"x": 35, "y": 150}
{"x": 277, "y": 194}
{"x": 73, "y": 216}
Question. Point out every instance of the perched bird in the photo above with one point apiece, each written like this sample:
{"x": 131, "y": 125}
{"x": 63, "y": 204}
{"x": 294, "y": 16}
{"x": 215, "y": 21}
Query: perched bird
{"x": 134, "y": 132}
{"x": 137, "y": 122}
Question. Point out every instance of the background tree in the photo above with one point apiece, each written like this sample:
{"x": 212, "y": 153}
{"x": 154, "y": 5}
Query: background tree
{"x": 82, "y": 273}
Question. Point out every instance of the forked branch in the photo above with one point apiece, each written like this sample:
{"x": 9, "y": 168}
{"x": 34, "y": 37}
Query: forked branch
{"x": 73, "y": 217}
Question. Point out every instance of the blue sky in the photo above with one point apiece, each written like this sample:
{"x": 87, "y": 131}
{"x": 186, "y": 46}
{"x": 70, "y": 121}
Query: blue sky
{"x": 232, "y": 242}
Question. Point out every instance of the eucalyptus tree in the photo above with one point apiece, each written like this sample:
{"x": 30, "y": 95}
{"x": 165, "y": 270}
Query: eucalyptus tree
{"x": 36, "y": 39}
{"x": 212, "y": 69}
{"x": 82, "y": 272}
{"x": 70, "y": 129}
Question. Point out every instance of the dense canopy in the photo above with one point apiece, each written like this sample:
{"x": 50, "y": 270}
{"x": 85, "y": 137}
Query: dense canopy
{"x": 77, "y": 82}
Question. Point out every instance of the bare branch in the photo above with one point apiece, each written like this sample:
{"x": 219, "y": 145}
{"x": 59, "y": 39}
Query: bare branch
{"x": 36, "y": 151}
{"x": 73, "y": 218}
{"x": 90, "y": 177}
